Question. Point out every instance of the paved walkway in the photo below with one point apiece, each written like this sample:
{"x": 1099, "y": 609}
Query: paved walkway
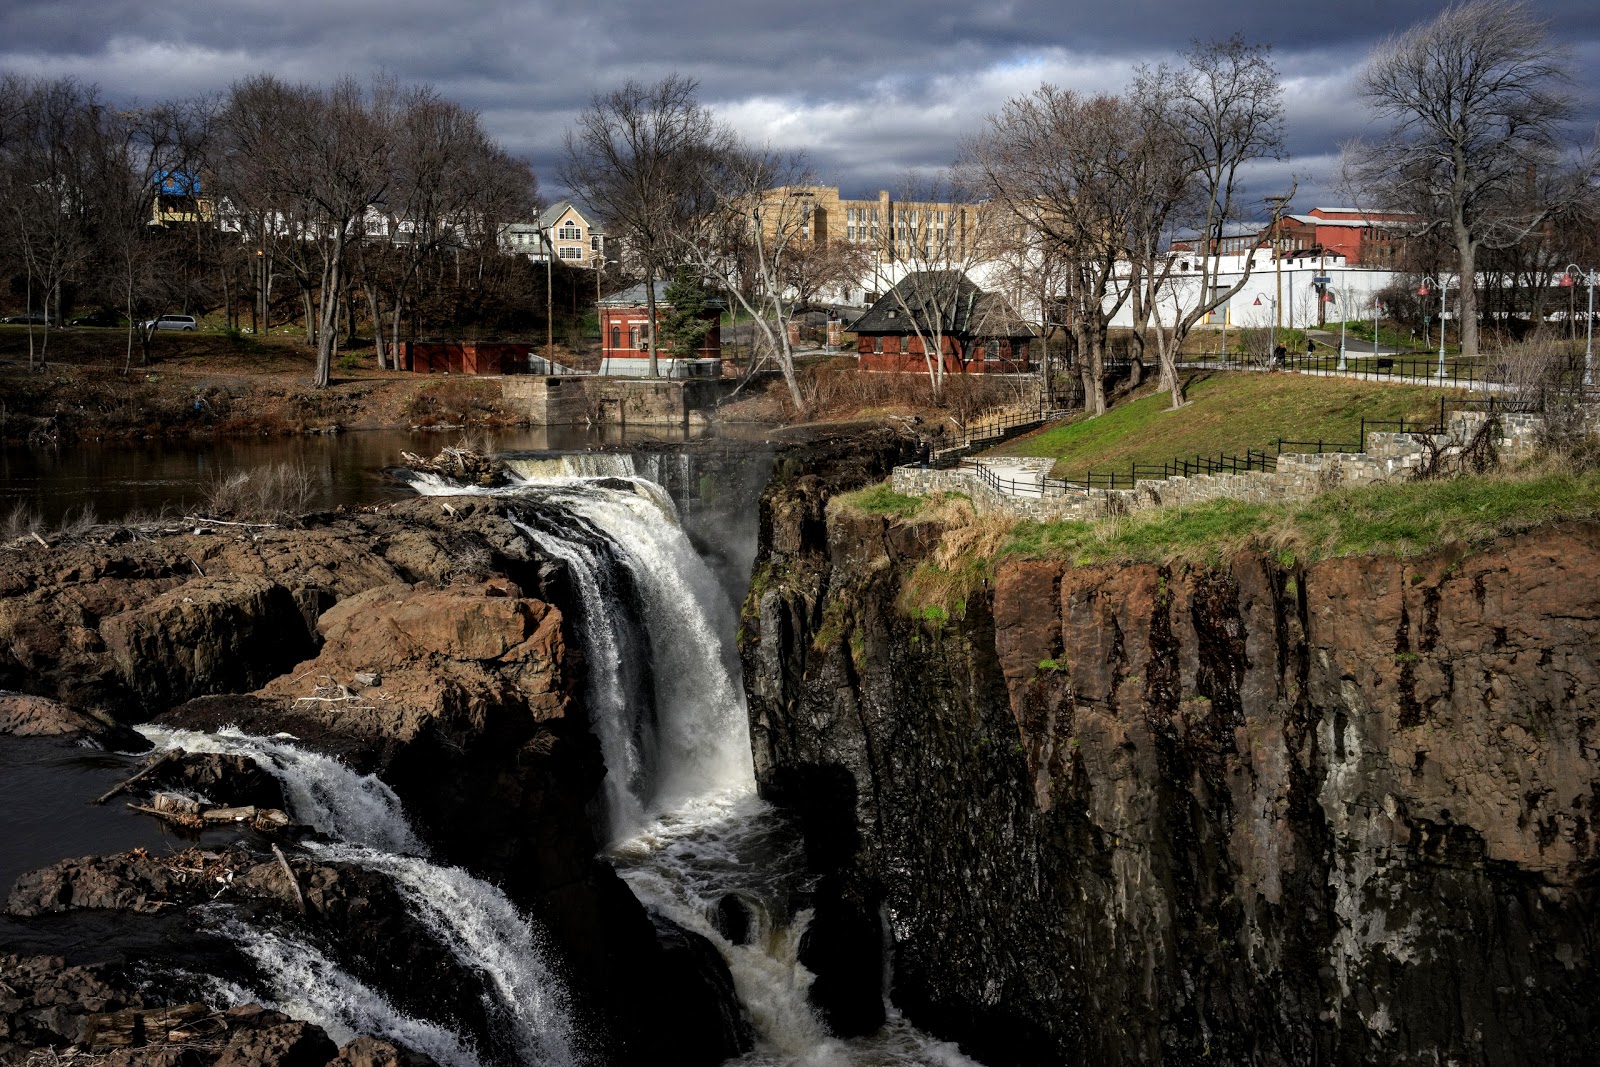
{"x": 1016, "y": 475}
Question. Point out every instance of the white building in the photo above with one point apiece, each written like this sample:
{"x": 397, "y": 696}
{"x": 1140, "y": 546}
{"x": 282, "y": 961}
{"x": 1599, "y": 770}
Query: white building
{"x": 1291, "y": 282}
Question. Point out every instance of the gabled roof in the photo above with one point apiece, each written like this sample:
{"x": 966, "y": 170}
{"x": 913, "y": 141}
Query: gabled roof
{"x": 945, "y": 302}
{"x": 552, "y": 215}
{"x": 634, "y": 297}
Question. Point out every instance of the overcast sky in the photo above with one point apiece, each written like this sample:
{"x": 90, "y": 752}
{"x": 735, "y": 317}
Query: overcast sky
{"x": 869, "y": 90}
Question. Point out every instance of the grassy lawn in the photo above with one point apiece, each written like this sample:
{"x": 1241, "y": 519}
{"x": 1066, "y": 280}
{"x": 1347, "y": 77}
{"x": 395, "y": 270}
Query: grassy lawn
{"x": 1402, "y": 518}
{"x": 1226, "y": 413}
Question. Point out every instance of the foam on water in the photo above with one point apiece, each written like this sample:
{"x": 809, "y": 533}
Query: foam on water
{"x": 475, "y": 920}
{"x": 308, "y": 986}
{"x": 321, "y": 791}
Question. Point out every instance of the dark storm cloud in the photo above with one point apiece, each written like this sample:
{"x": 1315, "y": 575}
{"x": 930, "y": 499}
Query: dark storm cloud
{"x": 871, "y": 91}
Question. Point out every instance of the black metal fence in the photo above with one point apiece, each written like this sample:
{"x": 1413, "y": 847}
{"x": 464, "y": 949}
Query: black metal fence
{"x": 1221, "y": 463}
{"x": 1459, "y": 371}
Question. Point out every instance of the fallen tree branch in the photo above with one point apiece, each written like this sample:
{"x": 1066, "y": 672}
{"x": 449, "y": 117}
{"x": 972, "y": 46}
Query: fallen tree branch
{"x": 294, "y": 883}
{"x": 165, "y": 758}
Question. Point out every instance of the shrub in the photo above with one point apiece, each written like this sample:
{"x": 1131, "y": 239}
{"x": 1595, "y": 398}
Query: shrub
{"x": 264, "y": 494}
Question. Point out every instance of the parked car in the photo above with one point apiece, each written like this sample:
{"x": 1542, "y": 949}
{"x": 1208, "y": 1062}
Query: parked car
{"x": 101, "y": 317}
{"x": 171, "y": 322}
{"x": 36, "y": 318}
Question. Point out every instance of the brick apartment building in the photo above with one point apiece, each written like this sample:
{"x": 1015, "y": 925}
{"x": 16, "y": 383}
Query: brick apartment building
{"x": 893, "y": 230}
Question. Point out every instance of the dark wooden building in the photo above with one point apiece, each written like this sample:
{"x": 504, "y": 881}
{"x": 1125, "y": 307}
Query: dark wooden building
{"x": 977, "y": 332}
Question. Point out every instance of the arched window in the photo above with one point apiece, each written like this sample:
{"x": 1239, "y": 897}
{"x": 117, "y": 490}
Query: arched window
{"x": 616, "y": 336}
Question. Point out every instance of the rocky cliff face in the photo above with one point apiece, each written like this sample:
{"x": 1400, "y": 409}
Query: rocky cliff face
{"x": 1240, "y": 812}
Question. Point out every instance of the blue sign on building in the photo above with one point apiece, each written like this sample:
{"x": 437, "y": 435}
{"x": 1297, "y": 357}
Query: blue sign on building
{"x": 177, "y": 183}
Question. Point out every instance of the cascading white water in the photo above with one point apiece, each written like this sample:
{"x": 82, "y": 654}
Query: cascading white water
{"x": 480, "y": 925}
{"x": 705, "y": 834}
{"x": 321, "y": 791}
{"x": 572, "y": 465}
{"x": 489, "y": 934}
{"x": 309, "y": 986}
{"x": 702, "y": 738}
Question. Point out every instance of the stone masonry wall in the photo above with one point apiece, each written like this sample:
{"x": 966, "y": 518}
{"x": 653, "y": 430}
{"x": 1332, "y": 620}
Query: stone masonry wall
{"x": 1299, "y": 476}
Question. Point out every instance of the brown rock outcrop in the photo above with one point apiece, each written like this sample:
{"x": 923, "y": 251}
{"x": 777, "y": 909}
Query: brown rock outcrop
{"x": 22, "y": 715}
{"x": 1246, "y": 810}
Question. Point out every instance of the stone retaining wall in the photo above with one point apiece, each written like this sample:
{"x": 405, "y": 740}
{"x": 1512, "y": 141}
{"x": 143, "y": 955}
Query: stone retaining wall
{"x": 1299, "y": 476}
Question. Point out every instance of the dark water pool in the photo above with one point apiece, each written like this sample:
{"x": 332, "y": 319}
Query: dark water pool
{"x": 116, "y": 479}
{"x": 47, "y": 789}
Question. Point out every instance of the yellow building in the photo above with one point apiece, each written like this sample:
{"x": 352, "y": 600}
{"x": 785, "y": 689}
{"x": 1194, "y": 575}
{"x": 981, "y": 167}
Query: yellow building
{"x": 893, "y": 230}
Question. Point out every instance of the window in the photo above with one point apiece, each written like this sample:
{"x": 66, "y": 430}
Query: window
{"x": 594, "y": 242}
{"x": 571, "y": 252}
{"x": 877, "y": 344}
{"x": 616, "y": 336}
{"x": 569, "y": 232}
{"x": 633, "y": 338}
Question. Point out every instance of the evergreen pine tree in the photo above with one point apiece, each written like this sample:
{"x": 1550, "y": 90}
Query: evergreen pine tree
{"x": 686, "y": 325}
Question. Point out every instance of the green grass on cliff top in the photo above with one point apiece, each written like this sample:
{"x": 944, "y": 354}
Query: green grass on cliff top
{"x": 1394, "y": 519}
{"x": 1226, "y": 413}
{"x": 1398, "y": 518}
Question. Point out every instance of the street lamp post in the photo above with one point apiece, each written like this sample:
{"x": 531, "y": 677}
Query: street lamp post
{"x": 1342, "y": 365}
{"x": 1444, "y": 287}
{"x": 1570, "y": 277}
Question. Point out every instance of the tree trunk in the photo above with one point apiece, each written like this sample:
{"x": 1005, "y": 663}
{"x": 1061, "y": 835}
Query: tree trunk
{"x": 654, "y": 369}
{"x": 1467, "y": 326}
{"x": 377, "y": 325}
{"x": 328, "y": 327}
{"x": 1092, "y": 369}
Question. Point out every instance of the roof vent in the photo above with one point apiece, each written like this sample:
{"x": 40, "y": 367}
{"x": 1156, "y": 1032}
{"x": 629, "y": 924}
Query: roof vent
{"x": 893, "y": 313}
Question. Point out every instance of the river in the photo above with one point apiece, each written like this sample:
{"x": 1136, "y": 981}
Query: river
{"x": 115, "y": 479}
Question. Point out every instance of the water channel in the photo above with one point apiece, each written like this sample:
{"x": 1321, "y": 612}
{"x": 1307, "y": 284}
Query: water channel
{"x": 116, "y": 479}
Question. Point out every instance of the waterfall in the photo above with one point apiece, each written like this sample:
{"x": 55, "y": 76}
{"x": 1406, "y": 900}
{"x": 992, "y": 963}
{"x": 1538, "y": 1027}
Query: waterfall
{"x": 702, "y": 742}
{"x": 571, "y": 465}
{"x": 666, "y": 700}
{"x": 688, "y": 830}
{"x": 475, "y": 920}
{"x": 309, "y": 986}
{"x": 322, "y": 792}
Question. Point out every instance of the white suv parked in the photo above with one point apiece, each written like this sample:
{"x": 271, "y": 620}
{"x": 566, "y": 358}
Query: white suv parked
{"x": 171, "y": 322}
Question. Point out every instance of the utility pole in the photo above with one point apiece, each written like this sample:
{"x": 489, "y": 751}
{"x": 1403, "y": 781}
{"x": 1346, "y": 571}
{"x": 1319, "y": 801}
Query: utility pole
{"x": 549, "y": 300}
{"x": 1278, "y": 203}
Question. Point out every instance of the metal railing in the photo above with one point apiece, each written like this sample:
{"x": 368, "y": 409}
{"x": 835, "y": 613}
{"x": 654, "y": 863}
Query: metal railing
{"x": 1420, "y": 368}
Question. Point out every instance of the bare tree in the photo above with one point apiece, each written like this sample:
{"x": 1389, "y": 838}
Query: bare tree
{"x": 50, "y": 160}
{"x": 305, "y": 165}
{"x": 1224, "y": 107}
{"x": 628, "y": 158}
{"x": 936, "y": 233}
{"x": 743, "y": 236}
{"x": 1058, "y": 162}
{"x": 1478, "y": 98}
{"x": 449, "y": 178}
{"x": 813, "y": 268}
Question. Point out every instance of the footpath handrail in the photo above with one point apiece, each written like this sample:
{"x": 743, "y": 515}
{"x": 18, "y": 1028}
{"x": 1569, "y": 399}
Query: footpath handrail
{"x": 1420, "y": 368}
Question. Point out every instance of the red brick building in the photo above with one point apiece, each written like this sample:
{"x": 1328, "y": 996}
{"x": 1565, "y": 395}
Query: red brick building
{"x": 625, "y": 337}
{"x": 977, "y": 332}
{"x": 1364, "y": 238}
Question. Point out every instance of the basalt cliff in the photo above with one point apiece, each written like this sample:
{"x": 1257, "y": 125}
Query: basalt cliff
{"x": 1243, "y": 811}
